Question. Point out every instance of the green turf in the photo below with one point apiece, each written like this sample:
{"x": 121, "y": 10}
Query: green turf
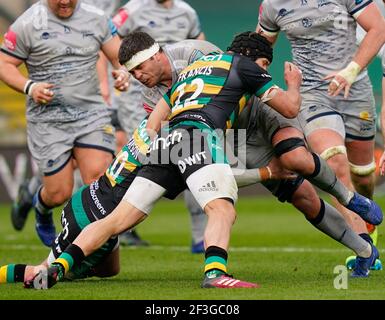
{"x": 271, "y": 244}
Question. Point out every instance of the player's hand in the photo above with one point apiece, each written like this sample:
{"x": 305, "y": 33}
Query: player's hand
{"x": 121, "y": 77}
{"x": 382, "y": 164}
{"x": 41, "y": 92}
{"x": 278, "y": 171}
{"x": 343, "y": 79}
{"x": 337, "y": 84}
{"x": 292, "y": 75}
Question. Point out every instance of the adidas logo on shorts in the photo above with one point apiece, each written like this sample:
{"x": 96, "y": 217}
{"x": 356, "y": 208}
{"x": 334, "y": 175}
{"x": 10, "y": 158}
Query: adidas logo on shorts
{"x": 210, "y": 186}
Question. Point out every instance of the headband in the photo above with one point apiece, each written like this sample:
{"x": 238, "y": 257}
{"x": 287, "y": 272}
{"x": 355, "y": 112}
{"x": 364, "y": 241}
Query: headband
{"x": 142, "y": 56}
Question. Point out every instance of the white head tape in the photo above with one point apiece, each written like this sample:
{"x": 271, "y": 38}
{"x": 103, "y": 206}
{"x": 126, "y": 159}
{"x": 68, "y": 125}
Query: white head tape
{"x": 142, "y": 56}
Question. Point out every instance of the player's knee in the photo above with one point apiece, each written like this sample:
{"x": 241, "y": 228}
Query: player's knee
{"x": 93, "y": 174}
{"x": 57, "y": 197}
{"x": 96, "y": 169}
{"x": 298, "y": 160}
{"x": 337, "y": 160}
{"x": 222, "y": 209}
{"x": 292, "y": 152}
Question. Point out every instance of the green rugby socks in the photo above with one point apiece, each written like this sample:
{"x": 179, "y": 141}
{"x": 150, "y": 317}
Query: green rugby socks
{"x": 11, "y": 273}
{"x": 215, "y": 262}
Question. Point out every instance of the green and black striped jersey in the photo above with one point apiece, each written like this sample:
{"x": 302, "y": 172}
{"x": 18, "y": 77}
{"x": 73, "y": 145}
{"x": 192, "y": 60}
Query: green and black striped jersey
{"x": 103, "y": 195}
{"x": 215, "y": 89}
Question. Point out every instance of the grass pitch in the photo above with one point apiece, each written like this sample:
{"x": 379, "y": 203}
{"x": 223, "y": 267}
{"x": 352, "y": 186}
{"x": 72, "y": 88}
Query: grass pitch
{"x": 272, "y": 244}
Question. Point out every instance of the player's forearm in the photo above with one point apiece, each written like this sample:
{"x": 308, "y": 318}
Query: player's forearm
{"x": 111, "y": 50}
{"x": 246, "y": 177}
{"x": 160, "y": 114}
{"x": 370, "y": 45}
{"x": 102, "y": 68}
{"x": 295, "y": 100}
{"x": 11, "y": 75}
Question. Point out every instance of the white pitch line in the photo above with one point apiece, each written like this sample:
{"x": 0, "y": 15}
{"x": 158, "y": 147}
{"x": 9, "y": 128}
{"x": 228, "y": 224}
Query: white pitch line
{"x": 187, "y": 249}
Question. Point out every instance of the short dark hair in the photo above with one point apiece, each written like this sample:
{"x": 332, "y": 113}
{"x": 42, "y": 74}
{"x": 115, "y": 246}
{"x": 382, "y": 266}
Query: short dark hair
{"x": 133, "y": 43}
{"x": 252, "y": 45}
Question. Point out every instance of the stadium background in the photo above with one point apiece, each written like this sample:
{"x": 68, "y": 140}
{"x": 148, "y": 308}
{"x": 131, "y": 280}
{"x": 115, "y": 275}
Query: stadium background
{"x": 220, "y": 21}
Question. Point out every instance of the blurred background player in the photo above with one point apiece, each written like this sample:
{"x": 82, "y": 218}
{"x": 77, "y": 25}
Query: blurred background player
{"x": 59, "y": 43}
{"x": 167, "y": 21}
{"x": 106, "y": 80}
{"x": 23, "y": 202}
{"x": 338, "y": 117}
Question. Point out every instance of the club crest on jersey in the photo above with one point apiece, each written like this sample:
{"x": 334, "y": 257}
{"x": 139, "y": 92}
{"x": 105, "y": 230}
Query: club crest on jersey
{"x": 47, "y": 35}
{"x": 283, "y": 12}
{"x": 307, "y": 23}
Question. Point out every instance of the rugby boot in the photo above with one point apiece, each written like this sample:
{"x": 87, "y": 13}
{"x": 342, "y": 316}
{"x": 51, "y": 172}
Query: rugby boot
{"x": 46, "y": 278}
{"x": 363, "y": 265}
{"x": 21, "y": 206}
{"x": 226, "y": 281}
{"x": 198, "y": 247}
{"x": 351, "y": 264}
{"x": 367, "y": 209}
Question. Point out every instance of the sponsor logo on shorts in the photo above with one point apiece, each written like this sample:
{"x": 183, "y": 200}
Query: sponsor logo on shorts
{"x": 96, "y": 200}
{"x": 189, "y": 161}
{"x": 108, "y": 129}
{"x": 366, "y": 127}
{"x": 50, "y": 163}
{"x": 365, "y": 115}
{"x": 210, "y": 186}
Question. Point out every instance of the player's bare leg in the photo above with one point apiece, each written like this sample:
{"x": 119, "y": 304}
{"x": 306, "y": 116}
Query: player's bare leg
{"x": 221, "y": 216}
